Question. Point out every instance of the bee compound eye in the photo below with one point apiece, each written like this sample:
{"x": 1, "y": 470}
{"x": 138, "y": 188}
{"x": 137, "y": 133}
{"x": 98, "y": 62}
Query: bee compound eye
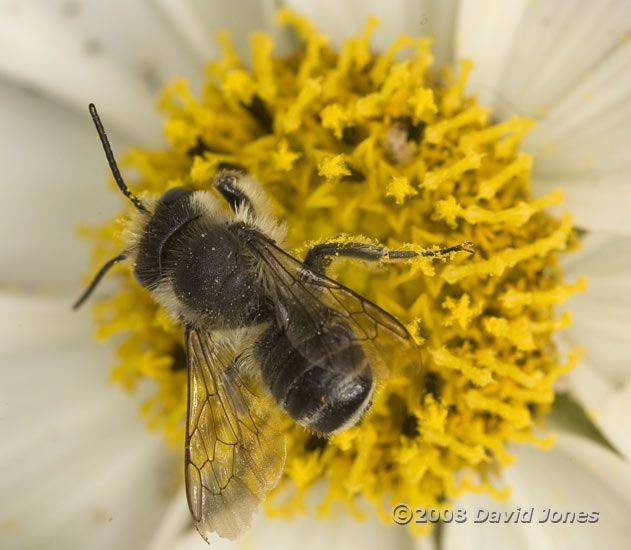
{"x": 173, "y": 195}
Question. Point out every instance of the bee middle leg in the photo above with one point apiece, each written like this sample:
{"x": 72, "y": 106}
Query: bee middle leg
{"x": 320, "y": 256}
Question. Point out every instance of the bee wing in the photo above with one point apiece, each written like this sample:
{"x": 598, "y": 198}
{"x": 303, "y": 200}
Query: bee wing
{"x": 305, "y": 302}
{"x": 233, "y": 453}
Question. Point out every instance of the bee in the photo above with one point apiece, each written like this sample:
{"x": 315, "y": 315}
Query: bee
{"x": 263, "y": 333}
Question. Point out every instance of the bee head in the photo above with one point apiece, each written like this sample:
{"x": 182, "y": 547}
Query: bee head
{"x": 173, "y": 195}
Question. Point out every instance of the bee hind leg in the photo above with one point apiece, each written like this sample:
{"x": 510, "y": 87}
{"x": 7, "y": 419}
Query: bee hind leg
{"x": 319, "y": 257}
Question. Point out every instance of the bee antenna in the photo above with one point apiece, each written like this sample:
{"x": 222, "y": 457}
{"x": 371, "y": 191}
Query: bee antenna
{"x": 112, "y": 161}
{"x": 97, "y": 279}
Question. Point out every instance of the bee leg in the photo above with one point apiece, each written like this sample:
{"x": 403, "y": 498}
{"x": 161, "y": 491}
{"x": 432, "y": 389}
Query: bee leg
{"x": 227, "y": 183}
{"x": 320, "y": 256}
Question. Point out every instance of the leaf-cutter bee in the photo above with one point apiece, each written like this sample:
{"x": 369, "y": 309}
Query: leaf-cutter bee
{"x": 262, "y": 332}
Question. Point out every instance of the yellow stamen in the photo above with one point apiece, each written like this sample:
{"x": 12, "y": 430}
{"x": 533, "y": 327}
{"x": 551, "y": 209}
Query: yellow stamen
{"x": 452, "y": 172}
{"x": 517, "y": 215}
{"x": 475, "y": 114}
{"x": 490, "y": 187}
{"x": 333, "y": 167}
{"x": 400, "y": 188}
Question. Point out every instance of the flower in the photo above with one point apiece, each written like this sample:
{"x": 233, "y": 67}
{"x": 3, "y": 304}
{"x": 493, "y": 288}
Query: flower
{"x": 598, "y": 389}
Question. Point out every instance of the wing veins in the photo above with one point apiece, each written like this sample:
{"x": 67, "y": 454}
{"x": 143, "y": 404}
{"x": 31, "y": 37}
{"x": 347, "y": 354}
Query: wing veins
{"x": 317, "y": 301}
{"x": 227, "y": 487}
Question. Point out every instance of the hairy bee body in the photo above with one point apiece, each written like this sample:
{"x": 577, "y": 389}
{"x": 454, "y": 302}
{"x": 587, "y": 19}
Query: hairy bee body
{"x": 313, "y": 395}
{"x": 198, "y": 265}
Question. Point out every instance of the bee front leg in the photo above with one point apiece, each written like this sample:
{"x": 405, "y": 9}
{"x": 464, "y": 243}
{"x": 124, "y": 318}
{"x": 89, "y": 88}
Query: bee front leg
{"x": 227, "y": 183}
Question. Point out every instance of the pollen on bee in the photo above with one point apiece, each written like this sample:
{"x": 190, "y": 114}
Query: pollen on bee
{"x": 436, "y": 173}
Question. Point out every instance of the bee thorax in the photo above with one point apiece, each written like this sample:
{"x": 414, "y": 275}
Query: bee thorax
{"x": 212, "y": 279}
{"x": 197, "y": 266}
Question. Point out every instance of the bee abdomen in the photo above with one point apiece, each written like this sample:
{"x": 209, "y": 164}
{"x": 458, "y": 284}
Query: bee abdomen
{"x": 313, "y": 393}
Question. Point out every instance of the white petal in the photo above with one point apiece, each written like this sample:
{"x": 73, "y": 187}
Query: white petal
{"x": 585, "y": 130}
{"x": 239, "y": 18}
{"x": 615, "y": 419}
{"x": 602, "y": 315}
{"x": 438, "y": 20}
{"x": 600, "y": 202}
{"x": 197, "y": 22}
{"x": 482, "y": 536}
{"x": 341, "y": 531}
{"x": 425, "y": 543}
{"x": 308, "y": 533}
{"x": 42, "y": 51}
{"x": 55, "y": 179}
{"x": 76, "y": 464}
{"x": 588, "y": 386}
{"x": 557, "y": 45}
{"x": 485, "y": 33}
{"x": 135, "y": 34}
{"x": 331, "y": 17}
{"x": 576, "y": 475}
{"x": 422, "y": 18}
{"x": 600, "y": 328}
{"x": 175, "y": 523}
{"x": 305, "y": 532}
{"x": 44, "y": 325}
{"x": 192, "y": 30}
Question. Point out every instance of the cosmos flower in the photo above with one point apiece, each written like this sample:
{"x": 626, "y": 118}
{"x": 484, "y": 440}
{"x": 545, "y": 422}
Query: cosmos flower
{"x": 80, "y": 468}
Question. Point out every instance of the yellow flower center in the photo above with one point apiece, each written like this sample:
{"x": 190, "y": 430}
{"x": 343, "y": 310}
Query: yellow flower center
{"x": 358, "y": 143}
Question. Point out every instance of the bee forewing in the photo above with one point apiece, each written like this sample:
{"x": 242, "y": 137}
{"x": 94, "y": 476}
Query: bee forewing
{"x": 306, "y": 302}
{"x": 234, "y": 454}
